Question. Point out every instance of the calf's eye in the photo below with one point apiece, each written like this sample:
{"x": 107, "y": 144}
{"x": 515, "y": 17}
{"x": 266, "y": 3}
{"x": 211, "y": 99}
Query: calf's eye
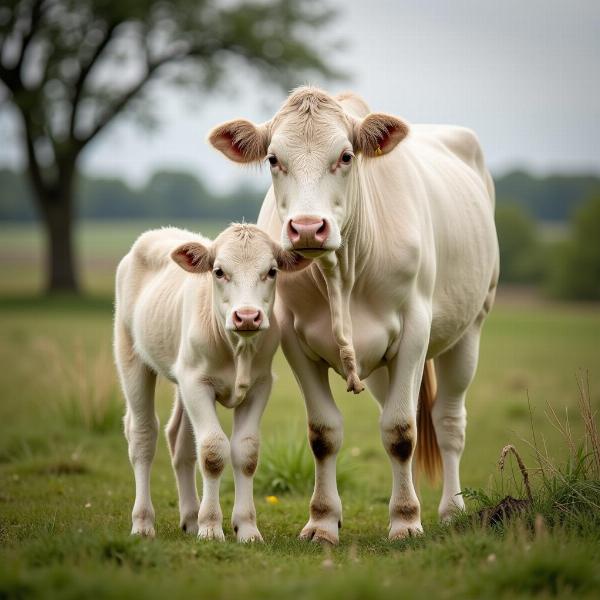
{"x": 219, "y": 273}
{"x": 272, "y": 273}
{"x": 272, "y": 160}
{"x": 346, "y": 158}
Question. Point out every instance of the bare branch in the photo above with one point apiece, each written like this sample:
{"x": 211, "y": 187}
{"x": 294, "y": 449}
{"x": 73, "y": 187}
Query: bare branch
{"x": 37, "y": 11}
{"x": 120, "y": 104}
{"x": 84, "y": 73}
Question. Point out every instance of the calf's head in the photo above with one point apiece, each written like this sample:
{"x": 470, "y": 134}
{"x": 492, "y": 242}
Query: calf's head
{"x": 311, "y": 146}
{"x": 244, "y": 263}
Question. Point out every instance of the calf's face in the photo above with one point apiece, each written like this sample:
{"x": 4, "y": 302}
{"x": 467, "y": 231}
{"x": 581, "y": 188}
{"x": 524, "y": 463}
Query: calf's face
{"x": 244, "y": 263}
{"x": 311, "y": 146}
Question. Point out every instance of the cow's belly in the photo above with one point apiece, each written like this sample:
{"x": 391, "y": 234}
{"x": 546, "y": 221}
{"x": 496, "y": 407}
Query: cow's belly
{"x": 373, "y": 336}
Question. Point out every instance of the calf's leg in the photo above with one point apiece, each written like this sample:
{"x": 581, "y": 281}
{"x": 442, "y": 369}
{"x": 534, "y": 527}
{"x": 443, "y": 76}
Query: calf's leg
{"x": 180, "y": 438}
{"x": 212, "y": 449}
{"x": 141, "y": 427}
{"x": 244, "y": 459}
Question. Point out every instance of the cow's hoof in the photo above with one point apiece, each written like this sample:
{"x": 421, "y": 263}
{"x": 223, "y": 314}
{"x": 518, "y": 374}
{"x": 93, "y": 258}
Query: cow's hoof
{"x": 247, "y": 534}
{"x": 322, "y": 533}
{"x": 401, "y": 532}
{"x": 354, "y": 384}
{"x": 143, "y": 527}
{"x": 211, "y": 532}
{"x": 450, "y": 510}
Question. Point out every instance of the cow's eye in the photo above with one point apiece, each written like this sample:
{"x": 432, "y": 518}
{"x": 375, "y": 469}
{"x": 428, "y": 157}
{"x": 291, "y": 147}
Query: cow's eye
{"x": 273, "y": 160}
{"x": 346, "y": 158}
{"x": 272, "y": 273}
{"x": 219, "y": 273}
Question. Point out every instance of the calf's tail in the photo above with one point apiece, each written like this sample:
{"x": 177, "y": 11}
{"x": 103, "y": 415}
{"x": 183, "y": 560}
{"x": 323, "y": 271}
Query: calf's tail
{"x": 427, "y": 452}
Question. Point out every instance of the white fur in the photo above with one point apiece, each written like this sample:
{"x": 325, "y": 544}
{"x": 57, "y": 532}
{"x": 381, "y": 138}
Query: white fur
{"x": 410, "y": 274}
{"x": 178, "y": 324}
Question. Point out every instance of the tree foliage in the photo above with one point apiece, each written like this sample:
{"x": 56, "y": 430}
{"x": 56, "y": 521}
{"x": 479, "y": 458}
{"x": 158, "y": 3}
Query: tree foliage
{"x": 519, "y": 249}
{"x": 575, "y": 265}
{"x": 69, "y": 67}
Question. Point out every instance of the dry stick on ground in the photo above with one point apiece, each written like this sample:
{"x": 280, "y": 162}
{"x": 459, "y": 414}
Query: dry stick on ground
{"x": 510, "y": 448}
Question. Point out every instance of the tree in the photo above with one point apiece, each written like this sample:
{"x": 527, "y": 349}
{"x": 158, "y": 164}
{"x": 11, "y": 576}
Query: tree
{"x": 519, "y": 252}
{"x": 575, "y": 265}
{"x": 70, "y": 67}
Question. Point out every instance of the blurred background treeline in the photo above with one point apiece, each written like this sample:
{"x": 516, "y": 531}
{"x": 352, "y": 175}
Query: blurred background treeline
{"x": 548, "y": 226}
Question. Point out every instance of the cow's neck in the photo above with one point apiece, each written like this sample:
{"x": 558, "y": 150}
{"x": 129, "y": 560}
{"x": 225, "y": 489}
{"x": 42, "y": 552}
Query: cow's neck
{"x": 341, "y": 269}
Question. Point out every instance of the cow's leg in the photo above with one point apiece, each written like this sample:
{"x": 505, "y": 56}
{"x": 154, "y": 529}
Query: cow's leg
{"x": 212, "y": 449}
{"x": 180, "y": 438}
{"x": 244, "y": 459}
{"x": 141, "y": 427}
{"x": 325, "y": 433}
{"x": 455, "y": 370}
{"x": 398, "y": 421}
{"x": 378, "y": 383}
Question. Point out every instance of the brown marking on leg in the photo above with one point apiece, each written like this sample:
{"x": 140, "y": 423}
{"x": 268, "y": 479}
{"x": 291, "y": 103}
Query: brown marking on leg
{"x": 250, "y": 445}
{"x": 405, "y": 511}
{"x": 319, "y": 509}
{"x": 322, "y": 442}
{"x": 212, "y": 455}
{"x": 399, "y": 441}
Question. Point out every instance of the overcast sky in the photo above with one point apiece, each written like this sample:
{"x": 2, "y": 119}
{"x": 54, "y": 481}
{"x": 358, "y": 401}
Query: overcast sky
{"x": 525, "y": 75}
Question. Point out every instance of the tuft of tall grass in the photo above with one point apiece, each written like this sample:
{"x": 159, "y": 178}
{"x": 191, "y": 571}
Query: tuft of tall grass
{"x": 286, "y": 466}
{"x": 565, "y": 493}
{"x": 84, "y": 385}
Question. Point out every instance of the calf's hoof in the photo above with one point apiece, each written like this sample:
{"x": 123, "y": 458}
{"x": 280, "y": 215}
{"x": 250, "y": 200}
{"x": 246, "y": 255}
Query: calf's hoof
{"x": 321, "y": 532}
{"x": 246, "y": 533}
{"x": 143, "y": 527}
{"x": 143, "y": 522}
{"x": 189, "y": 524}
{"x": 211, "y": 532}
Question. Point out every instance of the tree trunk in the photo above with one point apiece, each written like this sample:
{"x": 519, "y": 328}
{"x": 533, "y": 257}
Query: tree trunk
{"x": 57, "y": 212}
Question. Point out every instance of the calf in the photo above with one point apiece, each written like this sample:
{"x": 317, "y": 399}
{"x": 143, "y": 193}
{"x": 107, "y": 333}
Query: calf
{"x": 199, "y": 313}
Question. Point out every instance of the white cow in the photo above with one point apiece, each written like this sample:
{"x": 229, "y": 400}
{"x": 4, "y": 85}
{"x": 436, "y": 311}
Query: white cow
{"x": 400, "y": 221}
{"x": 199, "y": 313}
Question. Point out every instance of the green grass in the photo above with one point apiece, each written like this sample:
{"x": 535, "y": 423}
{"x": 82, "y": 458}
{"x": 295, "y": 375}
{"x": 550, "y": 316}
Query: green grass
{"x": 66, "y": 487}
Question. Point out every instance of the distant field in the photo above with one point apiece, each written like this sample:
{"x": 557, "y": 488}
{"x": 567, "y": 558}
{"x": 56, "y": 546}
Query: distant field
{"x": 99, "y": 244}
{"x": 66, "y": 487}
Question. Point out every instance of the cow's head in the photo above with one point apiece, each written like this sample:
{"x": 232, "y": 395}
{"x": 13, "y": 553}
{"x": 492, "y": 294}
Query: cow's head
{"x": 244, "y": 263}
{"x": 311, "y": 146}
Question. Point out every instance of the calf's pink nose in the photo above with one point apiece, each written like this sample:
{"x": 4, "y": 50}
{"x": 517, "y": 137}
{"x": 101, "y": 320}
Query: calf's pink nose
{"x": 247, "y": 319}
{"x": 308, "y": 232}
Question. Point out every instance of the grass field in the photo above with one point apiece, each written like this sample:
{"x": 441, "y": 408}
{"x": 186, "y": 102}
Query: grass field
{"x": 66, "y": 487}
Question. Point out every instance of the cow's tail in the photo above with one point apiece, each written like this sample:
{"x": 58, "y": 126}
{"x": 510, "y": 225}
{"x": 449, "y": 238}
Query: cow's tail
{"x": 427, "y": 453}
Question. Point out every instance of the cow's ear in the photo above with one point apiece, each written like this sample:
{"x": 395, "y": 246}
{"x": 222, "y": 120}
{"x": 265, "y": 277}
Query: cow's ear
{"x": 378, "y": 134}
{"x": 289, "y": 261}
{"x": 241, "y": 141}
{"x": 193, "y": 257}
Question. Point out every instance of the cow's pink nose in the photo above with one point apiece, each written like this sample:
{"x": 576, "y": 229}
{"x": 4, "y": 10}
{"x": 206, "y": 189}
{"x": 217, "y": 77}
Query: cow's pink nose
{"x": 247, "y": 319}
{"x": 308, "y": 232}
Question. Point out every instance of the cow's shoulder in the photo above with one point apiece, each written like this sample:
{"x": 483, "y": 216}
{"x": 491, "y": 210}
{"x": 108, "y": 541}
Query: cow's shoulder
{"x": 462, "y": 142}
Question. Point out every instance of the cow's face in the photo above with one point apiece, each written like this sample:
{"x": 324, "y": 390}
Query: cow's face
{"x": 311, "y": 147}
{"x": 244, "y": 263}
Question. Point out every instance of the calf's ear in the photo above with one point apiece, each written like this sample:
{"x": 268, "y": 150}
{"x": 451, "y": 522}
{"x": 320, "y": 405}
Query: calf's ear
{"x": 193, "y": 257}
{"x": 289, "y": 261}
{"x": 240, "y": 140}
{"x": 378, "y": 134}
